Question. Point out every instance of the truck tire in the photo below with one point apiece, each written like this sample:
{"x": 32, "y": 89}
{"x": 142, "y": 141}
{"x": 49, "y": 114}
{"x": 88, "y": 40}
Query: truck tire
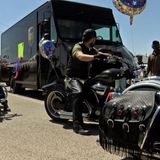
{"x": 13, "y": 85}
{"x": 15, "y": 88}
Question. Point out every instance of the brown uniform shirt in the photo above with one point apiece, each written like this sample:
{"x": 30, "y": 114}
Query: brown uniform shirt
{"x": 154, "y": 64}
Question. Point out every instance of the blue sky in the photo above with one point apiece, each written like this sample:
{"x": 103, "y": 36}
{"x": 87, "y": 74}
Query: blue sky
{"x": 137, "y": 37}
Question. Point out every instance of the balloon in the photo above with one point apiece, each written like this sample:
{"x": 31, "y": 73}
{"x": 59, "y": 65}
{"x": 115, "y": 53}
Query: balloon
{"x": 130, "y": 7}
{"x": 49, "y": 48}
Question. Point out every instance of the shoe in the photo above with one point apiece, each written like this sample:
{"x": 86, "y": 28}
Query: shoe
{"x": 80, "y": 130}
{"x": 7, "y": 110}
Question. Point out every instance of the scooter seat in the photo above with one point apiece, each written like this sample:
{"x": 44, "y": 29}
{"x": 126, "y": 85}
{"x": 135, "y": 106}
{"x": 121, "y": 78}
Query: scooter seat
{"x": 109, "y": 75}
{"x": 114, "y": 72}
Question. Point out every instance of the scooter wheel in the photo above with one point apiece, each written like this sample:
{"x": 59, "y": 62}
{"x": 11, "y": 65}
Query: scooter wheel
{"x": 55, "y": 103}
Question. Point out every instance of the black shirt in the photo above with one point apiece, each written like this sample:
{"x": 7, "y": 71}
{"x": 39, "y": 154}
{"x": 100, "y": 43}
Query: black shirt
{"x": 75, "y": 67}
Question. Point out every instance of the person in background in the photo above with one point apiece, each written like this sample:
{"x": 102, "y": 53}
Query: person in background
{"x": 45, "y": 27}
{"x": 153, "y": 68}
{"x": 3, "y": 98}
{"x": 77, "y": 71}
{"x": 4, "y": 101}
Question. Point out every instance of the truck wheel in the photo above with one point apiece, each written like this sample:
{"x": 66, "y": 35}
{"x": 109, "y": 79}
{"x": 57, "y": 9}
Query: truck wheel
{"x": 13, "y": 85}
{"x": 15, "y": 88}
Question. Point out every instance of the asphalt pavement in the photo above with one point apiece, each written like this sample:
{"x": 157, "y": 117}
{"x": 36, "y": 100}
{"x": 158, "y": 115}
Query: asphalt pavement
{"x": 28, "y": 133}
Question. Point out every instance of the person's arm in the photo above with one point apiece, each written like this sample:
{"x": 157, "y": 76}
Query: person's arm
{"x": 83, "y": 57}
{"x": 77, "y": 53}
{"x": 106, "y": 54}
{"x": 149, "y": 65}
{"x": 87, "y": 58}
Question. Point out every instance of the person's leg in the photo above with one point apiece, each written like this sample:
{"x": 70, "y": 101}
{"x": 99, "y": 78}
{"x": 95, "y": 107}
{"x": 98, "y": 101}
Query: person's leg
{"x": 5, "y": 106}
{"x": 77, "y": 110}
{"x": 77, "y": 98}
{"x": 78, "y": 125}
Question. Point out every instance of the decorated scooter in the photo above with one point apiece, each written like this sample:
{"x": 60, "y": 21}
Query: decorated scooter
{"x": 129, "y": 124}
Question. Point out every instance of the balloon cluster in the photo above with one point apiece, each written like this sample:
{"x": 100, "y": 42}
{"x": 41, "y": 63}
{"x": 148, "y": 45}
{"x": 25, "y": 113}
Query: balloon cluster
{"x": 130, "y": 7}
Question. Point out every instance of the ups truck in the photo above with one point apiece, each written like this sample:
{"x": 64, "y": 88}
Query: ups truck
{"x": 21, "y": 64}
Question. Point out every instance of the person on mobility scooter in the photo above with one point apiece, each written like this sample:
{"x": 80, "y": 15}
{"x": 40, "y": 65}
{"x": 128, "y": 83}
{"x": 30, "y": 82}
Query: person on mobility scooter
{"x": 3, "y": 99}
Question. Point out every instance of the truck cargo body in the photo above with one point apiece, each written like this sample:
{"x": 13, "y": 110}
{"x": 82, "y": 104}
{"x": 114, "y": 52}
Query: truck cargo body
{"x": 21, "y": 64}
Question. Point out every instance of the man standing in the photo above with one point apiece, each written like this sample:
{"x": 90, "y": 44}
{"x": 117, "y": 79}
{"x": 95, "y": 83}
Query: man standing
{"x": 153, "y": 68}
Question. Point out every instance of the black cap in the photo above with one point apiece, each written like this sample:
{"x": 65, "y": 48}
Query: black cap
{"x": 155, "y": 43}
{"x": 88, "y": 34}
{"x": 46, "y": 35}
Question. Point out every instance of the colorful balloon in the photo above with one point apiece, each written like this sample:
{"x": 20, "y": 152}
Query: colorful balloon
{"x": 130, "y": 7}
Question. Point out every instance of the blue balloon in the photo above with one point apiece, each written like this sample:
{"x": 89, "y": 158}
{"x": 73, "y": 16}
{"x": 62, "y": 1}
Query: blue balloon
{"x": 49, "y": 48}
{"x": 134, "y": 3}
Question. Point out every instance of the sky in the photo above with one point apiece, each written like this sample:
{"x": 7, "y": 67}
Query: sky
{"x": 137, "y": 37}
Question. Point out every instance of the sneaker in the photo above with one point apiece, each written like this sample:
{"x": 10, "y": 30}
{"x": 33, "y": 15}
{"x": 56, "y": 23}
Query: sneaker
{"x": 7, "y": 110}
